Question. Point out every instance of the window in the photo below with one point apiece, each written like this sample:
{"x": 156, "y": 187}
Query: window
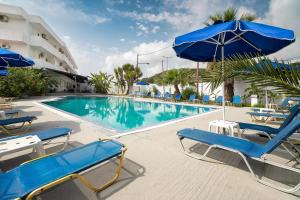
{"x": 3, "y": 18}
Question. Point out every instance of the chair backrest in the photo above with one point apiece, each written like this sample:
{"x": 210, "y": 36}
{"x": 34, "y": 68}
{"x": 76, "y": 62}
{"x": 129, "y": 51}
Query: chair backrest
{"x": 219, "y": 99}
{"x": 285, "y": 102}
{"x": 294, "y": 111}
{"x": 178, "y": 96}
{"x": 167, "y": 95}
{"x": 205, "y": 98}
{"x": 158, "y": 94}
{"x": 282, "y": 135}
{"x": 192, "y": 97}
{"x": 236, "y": 99}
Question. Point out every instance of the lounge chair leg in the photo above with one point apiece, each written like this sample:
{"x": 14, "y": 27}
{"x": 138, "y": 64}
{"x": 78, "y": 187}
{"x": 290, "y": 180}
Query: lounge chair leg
{"x": 66, "y": 142}
{"x": 8, "y": 130}
{"x": 82, "y": 179}
{"x": 287, "y": 190}
{"x": 194, "y": 156}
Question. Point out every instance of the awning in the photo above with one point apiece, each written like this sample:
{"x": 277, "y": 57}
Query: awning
{"x": 79, "y": 78}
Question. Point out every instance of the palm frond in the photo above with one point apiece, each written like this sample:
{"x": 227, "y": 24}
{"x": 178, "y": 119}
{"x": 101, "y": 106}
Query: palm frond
{"x": 229, "y": 14}
{"x": 282, "y": 79}
{"x": 248, "y": 17}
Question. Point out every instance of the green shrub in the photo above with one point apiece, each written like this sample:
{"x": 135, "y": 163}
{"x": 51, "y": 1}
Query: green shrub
{"x": 186, "y": 93}
{"x": 25, "y": 82}
{"x": 155, "y": 90}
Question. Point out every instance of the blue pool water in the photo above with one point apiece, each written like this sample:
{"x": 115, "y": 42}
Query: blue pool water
{"x": 124, "y": 114}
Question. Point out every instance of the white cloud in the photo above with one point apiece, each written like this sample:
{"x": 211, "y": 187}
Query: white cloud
{"x": 89, "y": 57}
{"x": 154, "y": 59}
{"x": 142, "y": 29}
{"x": 59, "y": 10}
{"x": 122, "y": 40}
{"x": 285, "y": 13}
{"x": 155, "y": 29}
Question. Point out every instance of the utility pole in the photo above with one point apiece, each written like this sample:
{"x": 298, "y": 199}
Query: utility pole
{"x": 162, "y": 68}
{"x": 167, "y": 57}
{"x": 137, "y": 60}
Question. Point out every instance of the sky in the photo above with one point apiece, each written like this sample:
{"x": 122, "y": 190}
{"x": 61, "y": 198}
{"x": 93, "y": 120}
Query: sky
{"x": 104, "y": 34}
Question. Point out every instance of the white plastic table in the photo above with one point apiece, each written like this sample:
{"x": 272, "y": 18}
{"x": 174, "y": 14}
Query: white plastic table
{"x": 21, "y": 143}
{"x": 229, "y": 125}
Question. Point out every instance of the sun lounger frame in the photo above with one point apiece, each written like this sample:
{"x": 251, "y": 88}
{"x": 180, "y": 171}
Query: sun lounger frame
{"x": 79, "y": 176}
{"x": 261, "y": 159}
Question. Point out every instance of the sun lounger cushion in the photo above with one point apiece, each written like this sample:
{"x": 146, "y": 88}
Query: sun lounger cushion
{"x": 248, "y": 148}
{"x": 44, "y": 134}
{"x": 23, "y": 179}
{"x": 5, "y": 122}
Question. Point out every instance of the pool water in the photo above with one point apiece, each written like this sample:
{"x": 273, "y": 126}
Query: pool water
{"x": 124, "y": 114}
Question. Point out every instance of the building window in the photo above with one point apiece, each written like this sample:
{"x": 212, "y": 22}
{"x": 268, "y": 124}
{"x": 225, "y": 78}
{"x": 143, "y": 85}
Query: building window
{"x": 4, "y": 18}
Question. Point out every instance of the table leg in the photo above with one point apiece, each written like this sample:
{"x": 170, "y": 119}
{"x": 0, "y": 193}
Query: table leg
{"x": 40, "y": 149}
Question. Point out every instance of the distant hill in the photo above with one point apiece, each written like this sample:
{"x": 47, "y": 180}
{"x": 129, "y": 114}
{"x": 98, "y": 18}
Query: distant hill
{"x": 191, "y": 71}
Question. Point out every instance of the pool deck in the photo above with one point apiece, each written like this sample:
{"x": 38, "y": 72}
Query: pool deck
{"x": 155, "y": 166}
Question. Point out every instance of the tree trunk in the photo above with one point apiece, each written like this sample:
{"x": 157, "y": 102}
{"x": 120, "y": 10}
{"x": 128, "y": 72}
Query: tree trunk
{"x": 229, "y": 90}
{"x": 177, "y": 91}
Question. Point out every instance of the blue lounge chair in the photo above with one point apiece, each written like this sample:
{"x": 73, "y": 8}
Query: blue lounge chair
{"x": 192, "y": 97}
{"x": 12, "y": 112}
{"x": 177, "y": 97}
{"x": 266, "y": 115}
{"x": 267, "y": 130}
{"x": 158, "y": 95}
{"x": 219, "y": 100}
{"x": 205, "y": 99}
{"x": 46, "y": 135}
{"x": 236, "y": 100}
{"x": 5, "y": 124}
{"x": 167, "y": 96}
{"x": 34, "y": 177}
{"x": 244, "y": 148}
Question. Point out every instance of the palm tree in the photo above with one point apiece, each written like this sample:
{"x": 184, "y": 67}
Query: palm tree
{"x": 119, "y": 75}
{"x": 131, "y": 75}
{"x": 176, "y": 77}
{"x": 102, "y": 82}
{"x": 228, "y": 15}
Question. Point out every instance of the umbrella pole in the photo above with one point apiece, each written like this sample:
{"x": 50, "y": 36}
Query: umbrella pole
{"x": 223, "y": 102}
{"x": 266, "y": 99}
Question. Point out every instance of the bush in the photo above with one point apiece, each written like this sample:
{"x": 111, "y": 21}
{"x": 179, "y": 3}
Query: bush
{"x": 186, "y": 93}
{"x": 25, "y": 82}
{"x": 155, "y": 90}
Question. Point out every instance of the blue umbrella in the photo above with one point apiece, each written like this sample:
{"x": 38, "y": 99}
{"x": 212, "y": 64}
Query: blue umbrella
{"x": 224, "y": 40}
{"x": 12, "y": 59}
{"x": 142, "y": 83}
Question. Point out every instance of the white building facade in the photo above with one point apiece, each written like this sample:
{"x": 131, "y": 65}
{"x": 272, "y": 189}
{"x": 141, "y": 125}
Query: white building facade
{"x": 31, "y": 36}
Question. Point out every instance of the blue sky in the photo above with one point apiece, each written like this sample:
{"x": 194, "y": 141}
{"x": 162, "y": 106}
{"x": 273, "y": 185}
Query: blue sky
{"x": 103, "y": 34}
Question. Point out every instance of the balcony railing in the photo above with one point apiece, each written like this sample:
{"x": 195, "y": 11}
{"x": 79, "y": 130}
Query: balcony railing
{"x": 39, "y": 41}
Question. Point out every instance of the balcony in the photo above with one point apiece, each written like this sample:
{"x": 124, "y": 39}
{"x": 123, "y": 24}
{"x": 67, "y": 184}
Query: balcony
{"x": 41, "y": 42}
{"x": 41, "y": 63}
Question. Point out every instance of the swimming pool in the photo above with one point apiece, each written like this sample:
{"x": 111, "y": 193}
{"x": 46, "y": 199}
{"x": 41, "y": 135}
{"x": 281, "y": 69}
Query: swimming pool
{"x": 124, "y": 114}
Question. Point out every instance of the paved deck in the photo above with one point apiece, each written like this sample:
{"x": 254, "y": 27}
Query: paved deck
{"x": 155, "y": 167}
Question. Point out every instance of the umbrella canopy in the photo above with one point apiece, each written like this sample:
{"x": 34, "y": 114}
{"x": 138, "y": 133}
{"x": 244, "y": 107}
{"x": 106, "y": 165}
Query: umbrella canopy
{"x": 12, "y": 59}
{"x": 224, "y": 40}
{"x": 237, "y": 37}
{"x": 3, "y": 72}
{"x": 142, "y": 83}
